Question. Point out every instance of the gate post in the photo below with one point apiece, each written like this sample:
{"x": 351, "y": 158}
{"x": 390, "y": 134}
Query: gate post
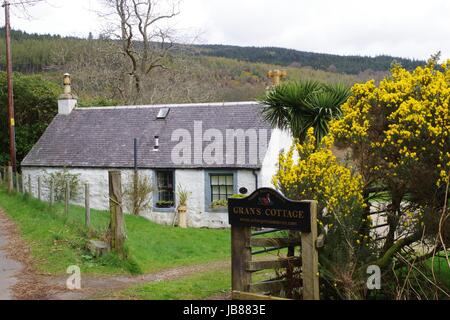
{"x": 241, "y": 254}
{"x": 310, "y": 259}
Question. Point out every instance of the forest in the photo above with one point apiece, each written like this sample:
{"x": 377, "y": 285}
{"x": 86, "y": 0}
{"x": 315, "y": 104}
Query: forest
{"x": 33, "y": 53}
{"x": 321, "y": 61}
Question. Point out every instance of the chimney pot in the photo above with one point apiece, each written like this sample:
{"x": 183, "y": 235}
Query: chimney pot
{"x": 156, "y": 147}
{"x": 67, "y": 101}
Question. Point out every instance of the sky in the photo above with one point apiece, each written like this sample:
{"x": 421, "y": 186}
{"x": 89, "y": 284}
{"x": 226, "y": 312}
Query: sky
{"x": 406, "y": 28}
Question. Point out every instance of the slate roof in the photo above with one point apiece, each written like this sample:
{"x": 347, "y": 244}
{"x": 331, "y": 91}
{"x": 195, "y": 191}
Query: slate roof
{"x": 103, "y": 137}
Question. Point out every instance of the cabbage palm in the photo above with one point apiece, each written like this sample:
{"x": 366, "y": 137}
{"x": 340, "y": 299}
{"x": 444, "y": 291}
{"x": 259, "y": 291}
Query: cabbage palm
{"x": 298, "y": 106}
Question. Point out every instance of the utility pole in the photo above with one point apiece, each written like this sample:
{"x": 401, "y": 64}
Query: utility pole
{"x": 9, "y": 74}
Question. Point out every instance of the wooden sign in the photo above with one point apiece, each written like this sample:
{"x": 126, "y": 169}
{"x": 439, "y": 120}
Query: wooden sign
{"x": 267, "y": 207}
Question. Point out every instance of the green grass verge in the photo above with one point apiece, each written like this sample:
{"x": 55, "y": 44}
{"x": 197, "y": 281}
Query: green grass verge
{"x": 58, "y": 241}
{"x": 196, "y": 287}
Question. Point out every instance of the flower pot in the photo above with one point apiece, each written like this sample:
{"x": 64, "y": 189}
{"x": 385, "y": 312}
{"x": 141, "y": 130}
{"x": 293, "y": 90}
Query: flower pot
{"x": 164, "y": 204}
{"x": 182, "y": 216}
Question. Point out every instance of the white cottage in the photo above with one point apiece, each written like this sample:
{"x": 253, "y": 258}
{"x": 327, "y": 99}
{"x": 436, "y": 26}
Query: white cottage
{"x": 213, "y": 150}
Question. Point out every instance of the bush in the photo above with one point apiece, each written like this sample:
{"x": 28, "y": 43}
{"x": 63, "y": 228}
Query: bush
{"x": 137, "y": 193}
{"x": 308, "y": 172}
{"x": 397, "y": 134}
{"x": 60, "y": 179}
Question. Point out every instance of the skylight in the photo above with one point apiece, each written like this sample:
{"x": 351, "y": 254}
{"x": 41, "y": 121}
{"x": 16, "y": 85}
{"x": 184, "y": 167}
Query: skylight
{"x": 163, "y": 112}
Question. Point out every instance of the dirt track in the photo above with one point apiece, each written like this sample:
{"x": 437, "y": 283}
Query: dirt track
{"x": 9, "y": 268}
{"x": 103, "y": 287}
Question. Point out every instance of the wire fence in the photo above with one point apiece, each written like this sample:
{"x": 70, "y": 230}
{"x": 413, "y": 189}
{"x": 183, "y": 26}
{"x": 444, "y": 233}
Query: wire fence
{"x": 43, "y": 189}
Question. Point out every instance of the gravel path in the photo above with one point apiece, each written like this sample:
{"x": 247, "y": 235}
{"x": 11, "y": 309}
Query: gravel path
{"x": 20, "y": 280}
{"x": 9, "y": 268}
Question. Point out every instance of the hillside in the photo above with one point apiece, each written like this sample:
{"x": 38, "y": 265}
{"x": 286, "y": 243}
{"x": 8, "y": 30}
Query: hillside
{"x": 31, "y": 55}
{"x": 290, "y": 57}
{"x": 194, "y": 73}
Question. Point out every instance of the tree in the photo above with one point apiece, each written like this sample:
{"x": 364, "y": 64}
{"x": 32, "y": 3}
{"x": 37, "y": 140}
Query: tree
{"x": 298, "y": 106}
{"x": 397, "y": 134}
{"x": 144, "y": 41}
{"x": 35, "y": 101}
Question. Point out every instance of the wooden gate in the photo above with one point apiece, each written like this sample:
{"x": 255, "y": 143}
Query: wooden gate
{"x": 296, "y": 266}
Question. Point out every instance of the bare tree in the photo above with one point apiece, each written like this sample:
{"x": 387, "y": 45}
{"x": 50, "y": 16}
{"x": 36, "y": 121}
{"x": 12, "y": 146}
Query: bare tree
{"x": 141, "y": 26}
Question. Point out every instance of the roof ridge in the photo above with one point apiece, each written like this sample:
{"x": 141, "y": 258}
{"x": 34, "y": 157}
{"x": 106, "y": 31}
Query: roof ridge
{"x": 173, "y": 105}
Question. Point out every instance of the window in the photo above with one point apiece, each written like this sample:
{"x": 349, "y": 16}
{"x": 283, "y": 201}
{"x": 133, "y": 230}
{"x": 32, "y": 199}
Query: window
{"x": 165, "y": 189}
{"x": 162, "y": 113}
{"x": 222, "y": 186}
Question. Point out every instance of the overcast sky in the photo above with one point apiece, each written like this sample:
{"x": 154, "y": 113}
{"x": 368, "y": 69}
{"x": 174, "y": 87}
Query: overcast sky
{"x": 407, "y": 28}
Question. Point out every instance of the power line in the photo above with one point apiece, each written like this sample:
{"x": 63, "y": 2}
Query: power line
{"x": 23, "y": 3}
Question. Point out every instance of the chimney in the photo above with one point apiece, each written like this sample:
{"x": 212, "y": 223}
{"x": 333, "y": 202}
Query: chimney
{"x": 156, "y": 147}
{"x": 67, "y": 101}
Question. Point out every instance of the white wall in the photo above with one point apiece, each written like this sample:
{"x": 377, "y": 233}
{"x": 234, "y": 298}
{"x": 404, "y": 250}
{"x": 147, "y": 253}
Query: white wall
{"x": 219, "y": 219}
{"x": 192, "y": 179}
{"x": 97, "y": 179}
{"x": 280, "y": 140}
{"x": 246, "y": 179}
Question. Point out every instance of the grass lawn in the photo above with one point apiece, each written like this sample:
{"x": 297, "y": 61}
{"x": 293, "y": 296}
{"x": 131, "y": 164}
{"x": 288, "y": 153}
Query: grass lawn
{"x": 200, "y": 286}
{"x": 58, "y": 241}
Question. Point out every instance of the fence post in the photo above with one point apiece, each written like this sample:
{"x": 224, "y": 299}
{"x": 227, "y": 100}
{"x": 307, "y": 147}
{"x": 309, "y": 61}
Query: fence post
{"x": 117, "y": 226}
{"x": 39, "y": 188}
{"x": 17, "y": 182}
{"x": 52, "y": 195}
{"x": 22, "y": 185}
{"x": 10, "y": 179}
{"x": 241, "y": 254}
{"x": 66, "y": 200}
{"x": 310, "y": 259}
{"x": 87, "y": 205}
{"x": 29, "y": 185}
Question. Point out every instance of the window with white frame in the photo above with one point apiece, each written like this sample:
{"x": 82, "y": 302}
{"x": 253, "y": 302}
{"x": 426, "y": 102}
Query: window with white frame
{"x": 222, "y": 186}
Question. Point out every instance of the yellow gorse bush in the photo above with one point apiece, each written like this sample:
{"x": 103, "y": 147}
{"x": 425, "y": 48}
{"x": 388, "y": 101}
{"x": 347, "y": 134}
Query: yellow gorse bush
{"x": 307, "y": 172}
{"x": 397, "y": 133}
{"x": 406, "y": 119}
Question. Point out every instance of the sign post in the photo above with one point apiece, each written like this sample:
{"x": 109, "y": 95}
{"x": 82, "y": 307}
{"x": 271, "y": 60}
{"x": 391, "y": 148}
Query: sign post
{"x": 267, "y": 208}
{"x": 310, "y": 258}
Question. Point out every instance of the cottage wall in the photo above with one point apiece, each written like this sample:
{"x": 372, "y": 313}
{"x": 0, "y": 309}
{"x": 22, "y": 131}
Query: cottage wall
{"x": 281, "y": 140}
{"x": 199, "y": 214}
